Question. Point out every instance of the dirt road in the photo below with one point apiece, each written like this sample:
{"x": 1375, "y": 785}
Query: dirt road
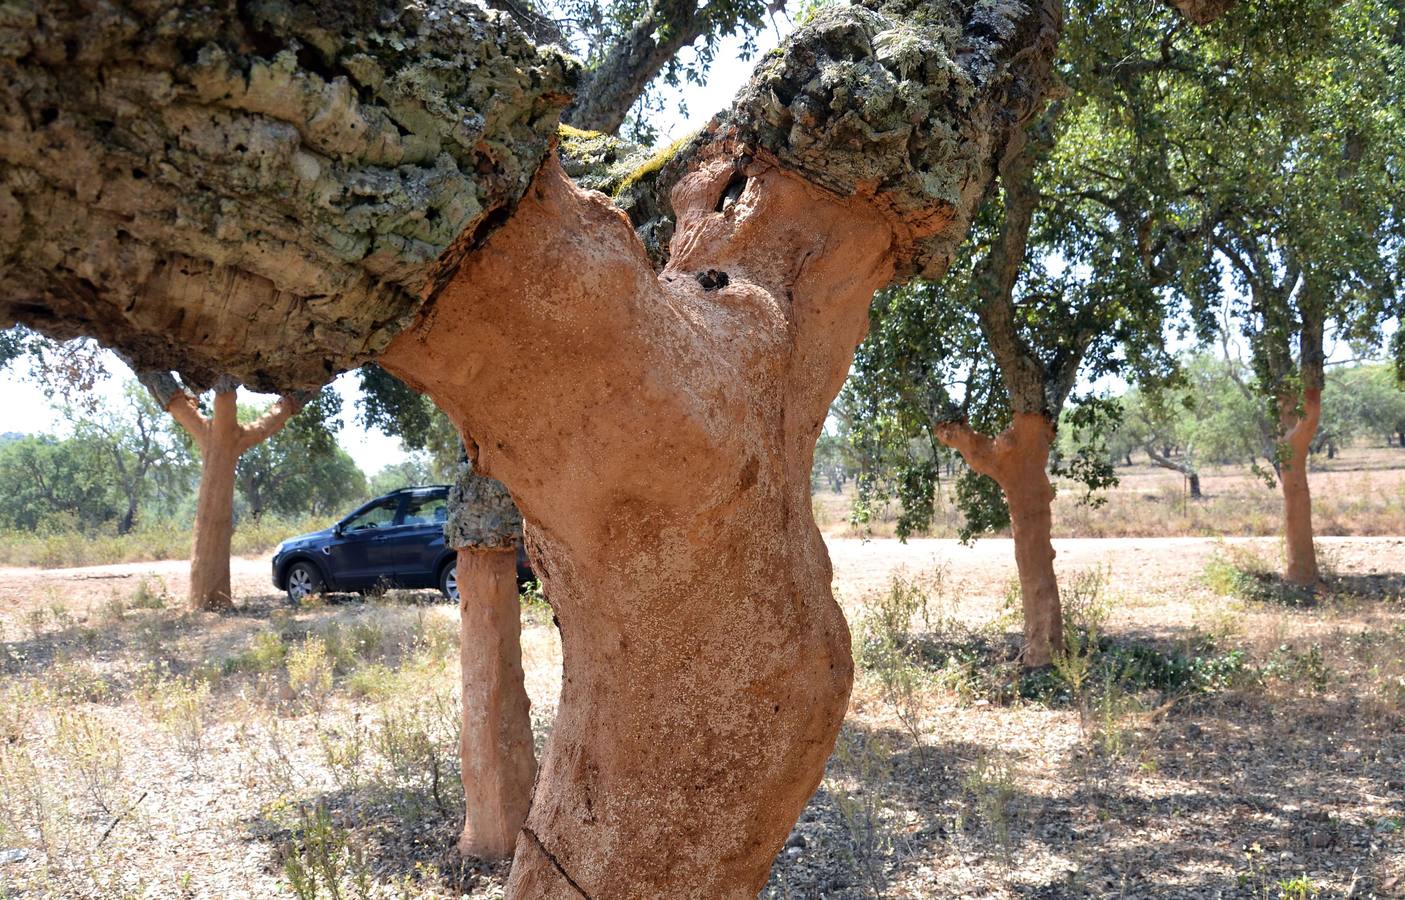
{"x": 1154, "y": 569}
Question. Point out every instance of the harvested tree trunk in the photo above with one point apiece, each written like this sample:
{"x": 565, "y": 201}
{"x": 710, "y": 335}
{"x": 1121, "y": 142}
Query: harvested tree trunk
{"x": 214, "y": 508}
{"x": 221, "y": 440}
{"x": 373, "y": 172}
{"x": 1018, "y": 460}
{"x": 495, "y": 739}
{"x": 1299, "y": 427}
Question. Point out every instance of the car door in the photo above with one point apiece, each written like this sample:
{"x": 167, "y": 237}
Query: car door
{"x": 359, "y": 555}
{"x": 417, "y": 543}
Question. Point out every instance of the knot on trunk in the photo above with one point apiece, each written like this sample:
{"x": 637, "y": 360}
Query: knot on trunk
{"x": 482, "y": 515}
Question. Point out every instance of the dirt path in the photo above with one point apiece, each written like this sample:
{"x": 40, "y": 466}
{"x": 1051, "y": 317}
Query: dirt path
{"x": 80, "y": 589}
{"x": 1159, "y": 568}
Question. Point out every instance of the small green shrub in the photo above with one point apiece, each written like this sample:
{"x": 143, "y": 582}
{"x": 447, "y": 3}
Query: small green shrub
{"x": 1239, "y": 572}
{"x": 267, "y": 653}
{"x": 860, "y": 770}
{"x": 991, "y": 787}
{"x": 324, "y": 860}
{"x": 92, "y": 752}
{"x": 150, "y": 593}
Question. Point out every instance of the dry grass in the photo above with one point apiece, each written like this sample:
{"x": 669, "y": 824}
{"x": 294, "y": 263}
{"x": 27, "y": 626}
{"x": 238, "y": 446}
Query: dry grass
{"x": 160, "y": 540}
{"x": 1361, "y": 492}
{"x": 310, "y": 752}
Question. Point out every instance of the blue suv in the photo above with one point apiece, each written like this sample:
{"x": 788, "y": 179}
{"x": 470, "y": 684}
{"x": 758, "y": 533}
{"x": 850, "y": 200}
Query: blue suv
{"x": 396, "y": 540}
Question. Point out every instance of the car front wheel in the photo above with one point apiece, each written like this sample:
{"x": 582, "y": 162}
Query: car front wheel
{"x": 303, "y": 581}
{"x": 449, "y": 581}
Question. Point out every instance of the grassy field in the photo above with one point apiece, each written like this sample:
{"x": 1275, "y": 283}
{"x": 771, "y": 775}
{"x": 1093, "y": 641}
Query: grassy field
{"x": 1360, "y": 492}
{"x": 161, "y": 540}
{"x": 1203, "y": 740}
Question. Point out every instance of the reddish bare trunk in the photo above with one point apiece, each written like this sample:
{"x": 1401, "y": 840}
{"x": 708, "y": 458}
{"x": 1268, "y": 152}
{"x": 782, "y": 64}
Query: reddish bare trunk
{"x": 706, "y": 664}
{"x": 495, "y": 743}
{"x": 1300, "y": 426}
{"x": 1018, "y": 460}
{"x": 214, "y": 508}
{"x": 1031, "y": 498}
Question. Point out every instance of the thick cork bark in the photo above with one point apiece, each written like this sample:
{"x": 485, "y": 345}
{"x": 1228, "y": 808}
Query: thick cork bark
{"x": 495, "y": 742}
{"x": 1018, "y": 460}
{"x": 707, "y": 665}
{"x": 1299, "y": 427}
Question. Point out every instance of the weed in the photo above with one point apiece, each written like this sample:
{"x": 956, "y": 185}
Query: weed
{"x": 1239, "y": 572}
{"x": 887, "y": 649}
{"x": 150, "y": 593}
{"x": 180, "y": 708}
{"x": 267, "y": 653}
{"x": 861, "y": 768}
{"x": 991, "y": 786}
{"x": 77, "y": 681}
{"x": 323, "y": 857}
{"x": 93, "y": 754}
{"x": 1292, "y": 666}
{"x": 1297, "y": 888}
{"x": 416, "y": 742}
{"x": 310, "y": 672}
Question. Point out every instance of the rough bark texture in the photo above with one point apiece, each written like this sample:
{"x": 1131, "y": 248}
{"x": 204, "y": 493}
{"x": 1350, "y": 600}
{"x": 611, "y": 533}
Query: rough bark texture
{"x": 211, "y": 185}
{"x": 482, "y": 515}
{"x": 657, "y": 428}
{"x": 1299, "y": 423}
{"x": 1018, "y": 460}
{"x": 610, "y": 89}
{"x": 495, "y": 743}
{"x": 1201, "y": 12}
{"x": 495, "y": 737}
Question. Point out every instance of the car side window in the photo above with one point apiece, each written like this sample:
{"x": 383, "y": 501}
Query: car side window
{"x": 382, "y": 515}
{"x": 427, "y": 509}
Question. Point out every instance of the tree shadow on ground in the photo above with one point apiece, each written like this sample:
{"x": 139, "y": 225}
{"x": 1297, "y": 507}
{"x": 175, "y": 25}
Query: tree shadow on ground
{"x": 401, "y": 838}
{"x": 105, "y": 652}
{"x": 1227, "y": 793}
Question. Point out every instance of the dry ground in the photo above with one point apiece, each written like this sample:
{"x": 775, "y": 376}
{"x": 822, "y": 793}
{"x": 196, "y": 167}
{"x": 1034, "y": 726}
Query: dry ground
{"x": 1361, "y": 492}
{"x": 145, "y": 752}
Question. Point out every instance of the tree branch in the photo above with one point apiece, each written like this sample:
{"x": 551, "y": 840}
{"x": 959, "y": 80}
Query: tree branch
{"x": 268, "y": 424}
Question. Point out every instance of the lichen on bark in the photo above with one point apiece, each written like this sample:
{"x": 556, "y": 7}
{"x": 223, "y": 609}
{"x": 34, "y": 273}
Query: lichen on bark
{"x": 209, "y": 185}
{"x": 482, "y": 515}
{"x": 911, "y": 104}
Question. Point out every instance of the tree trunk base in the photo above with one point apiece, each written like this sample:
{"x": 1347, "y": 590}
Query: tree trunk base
{"x": 495, "y": 741}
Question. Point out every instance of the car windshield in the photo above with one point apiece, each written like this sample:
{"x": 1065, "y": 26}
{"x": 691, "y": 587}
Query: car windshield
{"x": 382, "y": 515}
{"x": 427, "y": 509}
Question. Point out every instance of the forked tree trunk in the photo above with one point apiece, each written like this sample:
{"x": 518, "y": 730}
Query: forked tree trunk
{"x": 706, "y": 663}
{"x": 495, "y": 743}
{"x": 221, "y": 440}
{"x": 1018, "y": 460}
{"x": 495, "y": 737}
{"x": 1184, "y": 467}
{"x": 278, "y": 189}
{"x": 1299, "y": 427}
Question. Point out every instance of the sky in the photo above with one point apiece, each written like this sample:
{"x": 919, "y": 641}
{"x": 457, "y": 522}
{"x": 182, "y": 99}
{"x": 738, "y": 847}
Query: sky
{"x": 28, "y": 411}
